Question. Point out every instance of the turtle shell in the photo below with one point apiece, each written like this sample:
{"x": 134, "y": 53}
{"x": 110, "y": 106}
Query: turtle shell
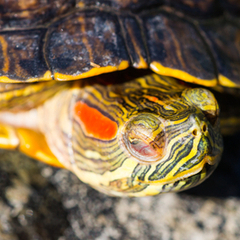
{"x": 195, "y": 41}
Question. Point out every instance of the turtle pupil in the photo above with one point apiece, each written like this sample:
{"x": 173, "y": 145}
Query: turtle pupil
{"x": 142, "y": 148}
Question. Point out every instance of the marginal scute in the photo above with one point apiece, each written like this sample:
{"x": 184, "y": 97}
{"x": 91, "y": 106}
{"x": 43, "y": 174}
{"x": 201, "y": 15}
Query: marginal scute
{"x": 134, "y": 41}
{"x": 84, "y": 44}
{"x": 224, "y": 81}
{"x": 96, "y": 70}
{"x": 224, "y": 41}
{"x": 182, "y": 75}
{"x": 167, "y": 37}
{"x": 21, "y": 56}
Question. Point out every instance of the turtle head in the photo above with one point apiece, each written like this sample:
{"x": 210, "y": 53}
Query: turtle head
{"x": 166, "y": 138}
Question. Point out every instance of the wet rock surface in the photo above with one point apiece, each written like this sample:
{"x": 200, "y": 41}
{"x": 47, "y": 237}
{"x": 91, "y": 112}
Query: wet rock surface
{"x": 38, "y": 202}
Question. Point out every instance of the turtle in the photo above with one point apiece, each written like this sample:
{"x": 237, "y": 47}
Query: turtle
{"x": 120, "y": 92}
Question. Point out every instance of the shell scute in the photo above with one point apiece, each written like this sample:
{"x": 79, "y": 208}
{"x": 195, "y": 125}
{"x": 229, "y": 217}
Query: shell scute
{"x": 70, "y": 41}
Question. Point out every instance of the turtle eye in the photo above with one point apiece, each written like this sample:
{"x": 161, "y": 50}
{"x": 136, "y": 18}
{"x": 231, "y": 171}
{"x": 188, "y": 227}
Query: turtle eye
{"x": 142, "y": 149}
{"x": 144, "y": 139}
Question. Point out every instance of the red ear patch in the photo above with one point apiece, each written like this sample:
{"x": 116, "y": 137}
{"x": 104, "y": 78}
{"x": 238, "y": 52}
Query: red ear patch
{"x": 95, "y": 123}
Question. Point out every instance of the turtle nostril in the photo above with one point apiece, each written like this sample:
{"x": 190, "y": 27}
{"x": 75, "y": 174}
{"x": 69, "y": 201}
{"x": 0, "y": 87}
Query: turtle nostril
{"x": 194, "y": 132}
{"x": 204, "y": 128}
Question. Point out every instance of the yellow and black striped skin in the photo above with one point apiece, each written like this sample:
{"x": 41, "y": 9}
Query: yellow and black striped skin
{"x": 143, "y": 137}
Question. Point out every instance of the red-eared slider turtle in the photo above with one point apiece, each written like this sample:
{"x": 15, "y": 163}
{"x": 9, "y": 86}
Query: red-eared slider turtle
{"x": 122, "y": 135}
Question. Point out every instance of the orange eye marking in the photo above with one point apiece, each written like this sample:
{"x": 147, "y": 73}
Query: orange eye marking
{"x": 95, "y": 123}
{"x": 152, "y": 99}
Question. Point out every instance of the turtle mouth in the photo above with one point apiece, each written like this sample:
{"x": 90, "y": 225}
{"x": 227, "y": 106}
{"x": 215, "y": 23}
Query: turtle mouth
{"x": 195, "y": 179}
{"x": 203, "y": 170}
{"x": 211, "y": 160}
